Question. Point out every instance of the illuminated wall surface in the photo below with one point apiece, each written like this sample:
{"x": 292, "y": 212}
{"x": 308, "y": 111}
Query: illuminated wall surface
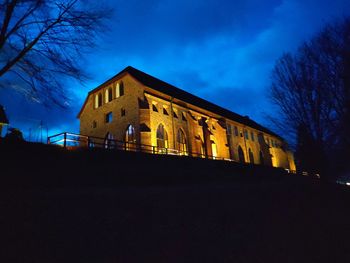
{"x": 140, "y": 109}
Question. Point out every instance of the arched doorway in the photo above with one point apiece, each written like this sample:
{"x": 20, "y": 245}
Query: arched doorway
{"x": 251, "y": 156}
{"x": 214, "y": 149}
{"x": 241, "y": 155}
{"x": 261, "y": 158}
{"x": 130, "y": 138}
{"x": 181, "y": 142}
{"x": 162, "y": 139}
{"x": 109, "y": 141}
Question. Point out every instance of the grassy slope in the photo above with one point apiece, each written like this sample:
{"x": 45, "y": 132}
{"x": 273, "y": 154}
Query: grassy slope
{"x": 100, "y": 206}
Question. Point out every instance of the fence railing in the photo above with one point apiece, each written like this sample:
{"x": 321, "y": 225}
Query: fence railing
{"x": 72, "y": 140}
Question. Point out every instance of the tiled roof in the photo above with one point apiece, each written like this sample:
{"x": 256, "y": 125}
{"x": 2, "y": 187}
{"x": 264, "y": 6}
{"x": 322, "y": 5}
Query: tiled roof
{"x": 180, "y": 94}
{"x": 3, "y": 117}
{"x": 187, "y": 97}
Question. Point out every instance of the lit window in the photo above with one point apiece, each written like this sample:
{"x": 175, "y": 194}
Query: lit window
{"x": 98, "y": 100}
{"x": 117, "y": 90}
{"x": 109, "y": 117}
{"x": 130, "y": 138}
{"x": 162, "y": 138}
{"x": 181, "y": 142}
{"x": 122, "y": 112}
{"x": 109, "y": 141}
{"x": 252, "y": 136}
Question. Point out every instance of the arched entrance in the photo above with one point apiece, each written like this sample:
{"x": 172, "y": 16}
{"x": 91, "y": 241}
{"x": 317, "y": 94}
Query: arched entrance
{"x": 241, "y": 155}
{"x": 251, "y": 156}
{"x": 261, "y": 158}
{"x": 109, "y": 141}
{"x": 214, "y": 149}
{"x": 130, "y": 138}
{"x": 162, "y": 139}
{"x": 181, "y": 142}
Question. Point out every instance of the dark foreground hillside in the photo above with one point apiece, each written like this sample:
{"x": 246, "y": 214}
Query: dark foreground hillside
{"x": 100, "y": 206}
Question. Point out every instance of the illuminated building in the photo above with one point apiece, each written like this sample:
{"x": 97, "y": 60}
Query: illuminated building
{"x": 152, "y": 115}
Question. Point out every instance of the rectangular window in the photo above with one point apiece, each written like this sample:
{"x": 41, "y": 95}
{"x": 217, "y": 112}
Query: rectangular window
{"x": 109, "y": 117}
{"x": 165, "y": 112}
{"x": 246, "y": 135}
{"x": 183, "y": 117}
{"x": 228, "y": 129}
{"x": 236, "y": 131}
{"x": 267, "y": 141}
{"x": 252, "y": 136}
{"x": 175, "y": 115}
{"x": 122, "y": 112}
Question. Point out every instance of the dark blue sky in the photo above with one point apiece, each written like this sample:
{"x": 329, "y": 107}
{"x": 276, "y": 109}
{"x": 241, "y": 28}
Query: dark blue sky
{"x": 222, "y": 51}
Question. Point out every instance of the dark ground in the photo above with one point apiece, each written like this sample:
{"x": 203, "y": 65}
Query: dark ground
{"x": 98, "y": 206}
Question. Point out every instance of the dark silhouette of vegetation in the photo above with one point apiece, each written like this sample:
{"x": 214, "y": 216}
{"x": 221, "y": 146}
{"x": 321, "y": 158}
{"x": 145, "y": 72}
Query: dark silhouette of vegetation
{"x": 14, "y": 135}
{"x": 42, "y": 42}
{"x": 312, "y": 90}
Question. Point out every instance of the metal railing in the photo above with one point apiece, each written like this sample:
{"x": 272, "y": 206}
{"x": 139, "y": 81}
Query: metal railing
{"x": 73, "y": 141}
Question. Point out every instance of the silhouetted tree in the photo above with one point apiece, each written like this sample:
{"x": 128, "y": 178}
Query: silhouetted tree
{"x": 42, "y": 42}
{"x": 311, "y": 88}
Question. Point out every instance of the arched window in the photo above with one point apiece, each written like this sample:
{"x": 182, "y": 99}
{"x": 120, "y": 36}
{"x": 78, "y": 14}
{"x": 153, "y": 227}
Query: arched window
{"x": 108, "y": 95}
{"x": 119, "y": 89}
{"x": 241, "y": 155}
{"x": 98, "y": 100}
{"x": 109, "y": 141}
{"x": 214, "y": 149}
{"x": 251, "y": 156}
{"x": 162, "y": 139}
{"x": 130, "y": 138}
{"x": 261, "y": 158}
{"x": 99, "y": 103}
{"x": 181, "y": 142}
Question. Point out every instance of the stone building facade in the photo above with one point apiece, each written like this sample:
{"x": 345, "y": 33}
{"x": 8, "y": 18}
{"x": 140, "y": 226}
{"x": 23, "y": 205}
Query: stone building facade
{"x": 145, "y": 112}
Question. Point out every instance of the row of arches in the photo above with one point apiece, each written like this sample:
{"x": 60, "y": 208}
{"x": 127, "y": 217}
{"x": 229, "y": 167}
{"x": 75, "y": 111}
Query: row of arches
{"x": 181, "y": 143}
{"x": 108, "y": 95}
{"x": 163, "y": 142}
{"x": 241, "y": 157}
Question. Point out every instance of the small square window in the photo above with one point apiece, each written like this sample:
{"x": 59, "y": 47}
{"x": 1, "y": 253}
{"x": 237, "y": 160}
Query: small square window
{"x": 154, "y": 108}
{"x": 122, "y": 112}
{"x": 109, "y": 117}
{"x": 165, "y": 112}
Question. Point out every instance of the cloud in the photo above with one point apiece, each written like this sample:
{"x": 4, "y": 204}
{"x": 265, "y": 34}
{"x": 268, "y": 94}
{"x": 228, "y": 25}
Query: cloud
{"x": 222, "y": 51}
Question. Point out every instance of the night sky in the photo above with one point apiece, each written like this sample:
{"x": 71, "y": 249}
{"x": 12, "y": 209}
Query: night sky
{"x": 222, "y": 51}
